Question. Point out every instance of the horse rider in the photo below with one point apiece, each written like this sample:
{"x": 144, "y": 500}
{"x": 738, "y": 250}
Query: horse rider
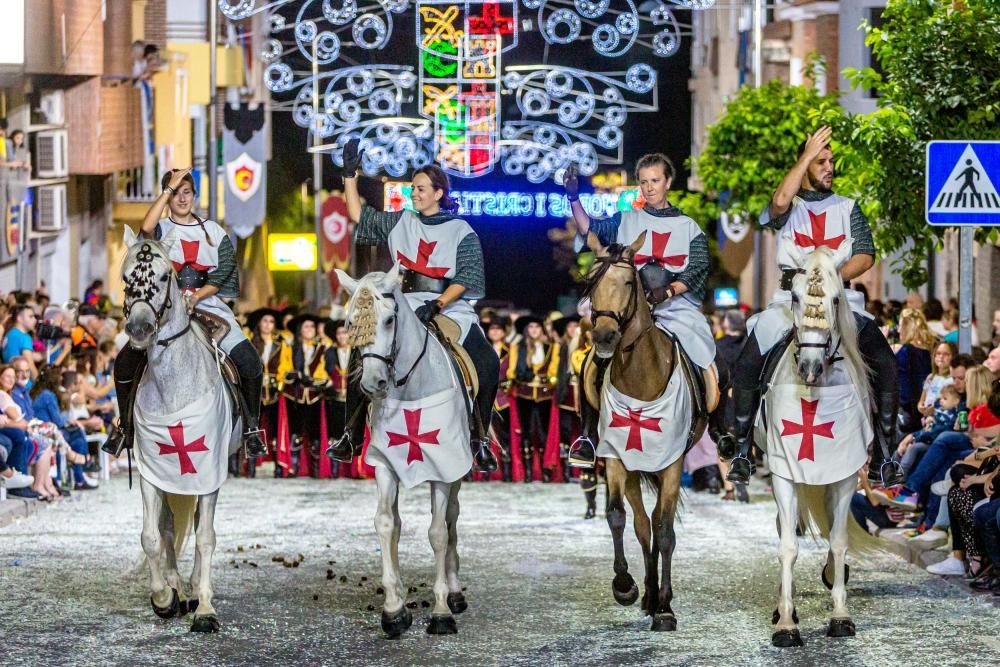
{"x": 496, "y": 334}
{"x": 205, "y": 262}
{"x": 441, "y": 261}
{"x": 532, "y": 370}
{"x": 304, "y": 370}
{"x": 263, "y": 333}
{"x": 673, "y": 267}
{"x": 805, "y": 209}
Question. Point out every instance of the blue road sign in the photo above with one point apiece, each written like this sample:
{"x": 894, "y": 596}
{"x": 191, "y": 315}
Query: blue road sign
{"x": 960, "y": 182}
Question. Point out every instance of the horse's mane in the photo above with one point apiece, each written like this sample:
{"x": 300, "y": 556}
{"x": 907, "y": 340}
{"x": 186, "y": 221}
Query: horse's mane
{"x": 820, "y": 271}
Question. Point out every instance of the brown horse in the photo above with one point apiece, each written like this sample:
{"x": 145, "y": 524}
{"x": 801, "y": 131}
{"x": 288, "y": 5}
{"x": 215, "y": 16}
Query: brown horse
{"x": 642, "y": 360}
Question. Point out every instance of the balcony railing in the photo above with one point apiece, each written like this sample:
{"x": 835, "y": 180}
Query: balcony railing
{"x": 136, "y": 185}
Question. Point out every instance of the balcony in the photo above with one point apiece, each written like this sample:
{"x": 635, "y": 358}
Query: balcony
{"x": 136, "y": 186}
{"x": 104, "y": 124}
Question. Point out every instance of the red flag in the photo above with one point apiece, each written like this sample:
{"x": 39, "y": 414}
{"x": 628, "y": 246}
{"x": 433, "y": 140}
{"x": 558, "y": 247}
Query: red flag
{"x": 335, "y": 241}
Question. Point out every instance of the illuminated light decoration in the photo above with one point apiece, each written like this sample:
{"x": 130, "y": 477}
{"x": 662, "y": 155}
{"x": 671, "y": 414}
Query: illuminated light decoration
{"x": 519, "y": 204}
{"x": 291, "y": 252}
{"x": 448, "y": 106}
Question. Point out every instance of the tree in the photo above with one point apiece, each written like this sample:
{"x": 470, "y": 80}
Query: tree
{"x": 941, "y": 64}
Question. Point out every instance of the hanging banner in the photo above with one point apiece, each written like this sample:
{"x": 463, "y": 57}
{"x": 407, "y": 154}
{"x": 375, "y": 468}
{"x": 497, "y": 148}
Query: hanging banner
{"x": 243, "y": 153}
{"x": 336, "y": 239}
{"x": 735, "y": 241}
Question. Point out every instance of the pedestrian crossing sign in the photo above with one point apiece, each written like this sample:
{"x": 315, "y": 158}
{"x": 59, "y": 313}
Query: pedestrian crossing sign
{"x": 961, "y": 178}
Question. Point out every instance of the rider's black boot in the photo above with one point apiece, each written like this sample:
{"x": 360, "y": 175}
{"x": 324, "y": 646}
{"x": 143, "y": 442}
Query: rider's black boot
{"x": 253, "y": 435}
{"x": 129, "y": 366}
{"x": 745, "y": 402}
{"x": 483, "y": 459}
{"x": 583, "y": 451}
{"x": 350, "y": 443}
{"x": 882, "y": 468}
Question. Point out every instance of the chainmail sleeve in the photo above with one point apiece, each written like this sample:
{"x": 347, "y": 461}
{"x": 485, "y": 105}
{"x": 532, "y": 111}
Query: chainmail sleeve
{"x": 374, "y": 226}
{"x": 225, "y": 276}
{"x": 695, "y": 275}
{"x": 861, "y": 231}
{"x": 469, "y": 270}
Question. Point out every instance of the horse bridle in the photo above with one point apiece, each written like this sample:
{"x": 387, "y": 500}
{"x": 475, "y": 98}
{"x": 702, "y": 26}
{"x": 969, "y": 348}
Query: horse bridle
{"x": 830, "y": 355}
{"x": 621, "y": 319}
{"x": 390, "y": 361}
{"x": 142, "y": 287}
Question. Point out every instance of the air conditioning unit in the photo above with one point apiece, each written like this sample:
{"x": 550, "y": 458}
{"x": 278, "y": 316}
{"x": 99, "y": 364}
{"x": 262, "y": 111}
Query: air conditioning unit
{"x": 51, "y": 209}
{"x": 53, "y": 107}
{"x": 51, "y": 154}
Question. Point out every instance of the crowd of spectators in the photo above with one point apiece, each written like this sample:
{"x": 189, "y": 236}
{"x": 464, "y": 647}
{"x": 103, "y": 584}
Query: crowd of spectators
{"x": 56, "y": 393}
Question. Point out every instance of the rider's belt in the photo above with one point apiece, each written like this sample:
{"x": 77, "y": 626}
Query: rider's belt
{"x": 418, "y": 282}
{"x": 787, "y": 276}
{"x": 190, "y": 278}
{"x": 653, "y": 276}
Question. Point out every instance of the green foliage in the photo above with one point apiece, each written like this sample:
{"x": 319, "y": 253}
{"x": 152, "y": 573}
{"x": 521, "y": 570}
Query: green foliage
{"x": 942, "y": 81}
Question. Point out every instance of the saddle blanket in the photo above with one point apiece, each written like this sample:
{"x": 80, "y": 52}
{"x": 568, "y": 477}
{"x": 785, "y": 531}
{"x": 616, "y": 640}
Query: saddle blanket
{"x": 814, "y": 435}
{"x": 646, "y": 435}
{"x": 426, "y": 440}
{"x": 187, "y": 452}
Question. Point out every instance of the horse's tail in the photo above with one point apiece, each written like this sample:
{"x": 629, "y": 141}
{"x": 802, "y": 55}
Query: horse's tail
{"x": 651, "y": 482}
{"x": 815, "y": 517}
{"x": 182, "y": 507}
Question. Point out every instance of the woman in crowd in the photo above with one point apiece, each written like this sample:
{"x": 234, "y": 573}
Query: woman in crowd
{"x": 914, "y": 359}
{"x": 40, "y": 455}
{"x": 533, "y": 368}
{"x": 50, "y": 405}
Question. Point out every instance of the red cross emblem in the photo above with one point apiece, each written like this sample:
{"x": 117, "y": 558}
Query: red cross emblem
{"x": 182, "y": 449}
{"x": 413, "y": 437}
{"x": 659, "y": 253}
{"x": 422, "y": 265}
{"x": 491, "y": 22}
{"x": 807, "y": 429}
{"x": 635, "y": 423}
{"x": 817, "y": 223}
{"x": 190, "y": 250}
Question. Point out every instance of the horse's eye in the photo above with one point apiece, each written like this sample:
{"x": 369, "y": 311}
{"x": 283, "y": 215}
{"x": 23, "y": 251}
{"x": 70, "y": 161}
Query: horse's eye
{"x": 389, "y": 321}
{"x": 165, "y": 278}
{"x": 836, "y": 302}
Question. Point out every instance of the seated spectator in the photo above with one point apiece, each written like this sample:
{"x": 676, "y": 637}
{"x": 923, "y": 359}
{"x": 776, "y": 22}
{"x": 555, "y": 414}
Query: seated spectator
{"x": 31, "y": 449}
{"x": 992, "y": 362}
{"x": 96, "y": 385}
{"x": 61, "y": 347}
{"x": 945, "y": 414}
{"x": 866, "y": 507}
{"x": 85, "y": 334}
{"x": 9, "y": 475}
{"x": 969, "y": 478}
{"x": 914, "y": 359}
{"x": 949, "y": 325}
{"x": 986, "y": 526}
{"x": 939, "y": 377}
{"x": 50, "y": 405}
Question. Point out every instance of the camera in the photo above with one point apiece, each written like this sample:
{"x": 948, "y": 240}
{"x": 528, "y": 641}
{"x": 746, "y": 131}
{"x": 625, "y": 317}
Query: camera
{"x": 48, "y": 331}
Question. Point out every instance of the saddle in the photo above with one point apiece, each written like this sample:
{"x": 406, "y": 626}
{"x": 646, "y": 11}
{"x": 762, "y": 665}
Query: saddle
{"x": 210, "y": 330}
{"x": 449, "y": 333}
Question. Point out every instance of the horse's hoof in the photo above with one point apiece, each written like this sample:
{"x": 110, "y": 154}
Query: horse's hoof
{"x": 841, "y": 627}
{"x": 786, "y": 638}
{"x": 624, "y": 589}
{"x": 442, "y": 625}
{"x": 828, "y": 583}
{"x": 394, "y": 625}
{"x": 775, "y": 617}
{"x": 171, "y": 609}
{"x": 457, "y": 603}
{"x": 188, "y": 607}
{"x": 208, "y": 623}
{"x": 664, "y": 623}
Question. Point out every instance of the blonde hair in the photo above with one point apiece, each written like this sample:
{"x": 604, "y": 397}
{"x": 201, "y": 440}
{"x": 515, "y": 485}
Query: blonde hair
{"x": 978, "y": 386}
{"x": 916, "y": 331}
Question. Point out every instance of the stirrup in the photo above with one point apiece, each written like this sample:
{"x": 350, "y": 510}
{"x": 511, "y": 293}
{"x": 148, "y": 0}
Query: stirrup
{"x": 577, "y": 458}
{"x": 116, "y": 442}
{"x": 482, "y": 456}
{"x": 342, "y": 449}
{"x": 732, "y": 469}
{"x": 255, "y": 435}
{"x": 891, "y": 473}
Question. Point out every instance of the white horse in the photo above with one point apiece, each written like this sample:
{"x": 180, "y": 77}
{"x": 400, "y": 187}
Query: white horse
{"x": 181, "y": 378}
{"x": 816, "y": 426}
{"x": 419, "y": 428}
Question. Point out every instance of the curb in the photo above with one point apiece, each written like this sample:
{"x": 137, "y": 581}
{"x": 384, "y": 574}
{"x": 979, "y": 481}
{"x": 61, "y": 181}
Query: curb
{"x": 13, "y": 509}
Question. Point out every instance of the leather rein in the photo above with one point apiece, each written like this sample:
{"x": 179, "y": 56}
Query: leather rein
{"x": 390, "y": 361}
{"x": 624, "y": 318}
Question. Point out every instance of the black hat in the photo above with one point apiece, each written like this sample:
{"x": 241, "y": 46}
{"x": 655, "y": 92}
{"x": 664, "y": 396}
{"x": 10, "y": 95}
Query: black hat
{"x": 500, "y": 322}
{"x": 254, "y": 318}
{"x": 296, "y": 322}
{"x": 559, "y": 326}
{"x": 330, "y": 326}
{"x": 290, "y": 310}
{"x": 525, "y": 320}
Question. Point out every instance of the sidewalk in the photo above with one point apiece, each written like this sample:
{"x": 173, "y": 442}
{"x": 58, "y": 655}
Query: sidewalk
{"x": 13, "y": 509}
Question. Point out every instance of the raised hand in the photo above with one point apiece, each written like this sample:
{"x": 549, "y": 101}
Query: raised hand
{"x": 571, "y": 182}
{"x": 352, "y": 158}
{"x": 177, "y": 177}
{"x": 816, "y": 142}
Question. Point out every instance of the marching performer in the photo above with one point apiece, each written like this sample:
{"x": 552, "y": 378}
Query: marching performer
{"x": 805, "y": 208}
{"x": 338, "y": 366}
{"x": 673, "y": 266}
{"x": 567, "y": 393}
{"x": 532, "y": 369}
{"x": 496, "y": 333}
{"x": 442, "y": 268}
{"x": 303, "y": 370}
{"x": 205, "y": 262}
{"x": 267, "y": 341}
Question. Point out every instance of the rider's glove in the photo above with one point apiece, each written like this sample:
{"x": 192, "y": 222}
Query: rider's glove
{"x": 571, "y": 183}
{"x": 658, "y": 295}
{"x": 426, "y": 312}
{"x": 352, "y": 158}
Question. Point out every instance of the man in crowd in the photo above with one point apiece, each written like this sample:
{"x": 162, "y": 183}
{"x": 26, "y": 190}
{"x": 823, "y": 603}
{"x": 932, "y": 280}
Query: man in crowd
{"x": 19, "y": 341}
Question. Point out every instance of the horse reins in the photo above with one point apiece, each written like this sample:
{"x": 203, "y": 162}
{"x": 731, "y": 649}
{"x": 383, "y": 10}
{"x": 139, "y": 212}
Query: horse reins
{"x": 621, "y": 319}
{"x": 143, "y": 289}
{"x": 390, "y": 361}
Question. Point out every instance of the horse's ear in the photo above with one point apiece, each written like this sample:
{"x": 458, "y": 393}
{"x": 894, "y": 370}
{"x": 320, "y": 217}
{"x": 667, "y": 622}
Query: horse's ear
{"x": 594, "y": 244}
{"x": 347, "y": 282}
{"x": 391, "y": 280}
{"x": 636, "y": 245}
{"x": 130, "y": 237}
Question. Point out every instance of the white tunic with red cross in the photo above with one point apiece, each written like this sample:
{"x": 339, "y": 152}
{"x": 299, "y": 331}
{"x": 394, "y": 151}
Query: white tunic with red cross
{"x": 668, "y": 244}
{"x": 810, "y": 225}
{"x": 814, "y": 435}
{"x": 432, "y": 250}
{"x": 187, "y": 452}
{"x": 192, "y": 248}
{"x": 645, "y": 435}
